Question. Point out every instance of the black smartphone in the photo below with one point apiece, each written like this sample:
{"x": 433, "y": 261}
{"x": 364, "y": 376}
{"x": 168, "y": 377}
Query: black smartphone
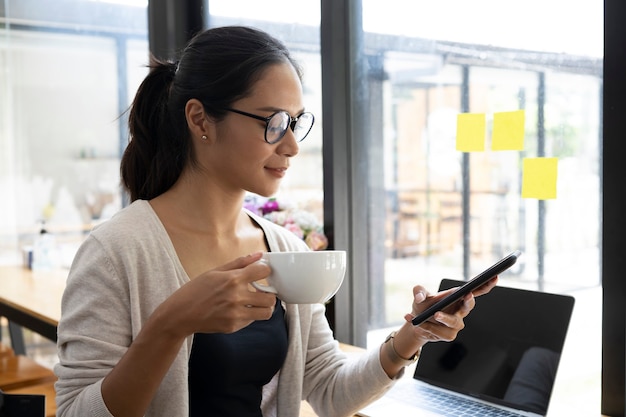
{"x": 480, "y": 279}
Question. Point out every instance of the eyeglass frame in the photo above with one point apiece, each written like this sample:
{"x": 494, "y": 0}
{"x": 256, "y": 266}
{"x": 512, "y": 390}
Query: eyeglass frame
{"x": 291, "y": 124}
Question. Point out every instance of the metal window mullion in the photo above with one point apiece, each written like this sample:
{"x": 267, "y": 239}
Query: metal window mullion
{"x": 345, "y": 159}
{"x": 465, "y": 177}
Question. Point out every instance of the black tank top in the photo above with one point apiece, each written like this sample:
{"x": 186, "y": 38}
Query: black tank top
{"x": 227, "y": 371}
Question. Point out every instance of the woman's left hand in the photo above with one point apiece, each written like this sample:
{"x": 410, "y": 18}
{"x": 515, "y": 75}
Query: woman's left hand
{"x": 444, "y": 325}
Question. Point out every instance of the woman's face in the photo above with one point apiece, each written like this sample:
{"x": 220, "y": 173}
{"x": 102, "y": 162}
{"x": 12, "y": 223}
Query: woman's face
{"x": 239, "y": 158}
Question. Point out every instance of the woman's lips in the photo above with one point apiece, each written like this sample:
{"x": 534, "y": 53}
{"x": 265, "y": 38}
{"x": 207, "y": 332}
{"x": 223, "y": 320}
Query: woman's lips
{"x": 277, "y": 172}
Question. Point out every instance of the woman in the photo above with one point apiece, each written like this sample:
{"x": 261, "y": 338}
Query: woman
{"x": 158, "y": 316}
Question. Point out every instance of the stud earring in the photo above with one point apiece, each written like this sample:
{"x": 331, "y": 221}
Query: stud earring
{"x": 204, "y": 137}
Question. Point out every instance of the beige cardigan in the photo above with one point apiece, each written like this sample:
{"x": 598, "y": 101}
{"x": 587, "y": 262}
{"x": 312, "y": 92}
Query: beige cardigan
{"x": 126, "y": 267}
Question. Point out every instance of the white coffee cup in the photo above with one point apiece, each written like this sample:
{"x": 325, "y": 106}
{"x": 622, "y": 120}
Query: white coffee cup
{"x": 304, "y": 277}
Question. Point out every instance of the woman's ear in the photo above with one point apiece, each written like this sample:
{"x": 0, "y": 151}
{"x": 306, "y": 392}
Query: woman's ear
{"x": 197, "y": 119}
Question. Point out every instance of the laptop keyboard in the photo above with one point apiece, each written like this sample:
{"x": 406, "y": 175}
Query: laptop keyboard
{"x": 450, "y": 405}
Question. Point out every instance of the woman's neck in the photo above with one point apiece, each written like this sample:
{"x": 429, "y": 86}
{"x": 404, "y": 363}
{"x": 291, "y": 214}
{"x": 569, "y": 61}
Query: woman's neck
{"x": 203, "y": 209}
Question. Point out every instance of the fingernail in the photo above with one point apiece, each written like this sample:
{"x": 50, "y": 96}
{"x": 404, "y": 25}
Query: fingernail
{"x": 419, "y": 297}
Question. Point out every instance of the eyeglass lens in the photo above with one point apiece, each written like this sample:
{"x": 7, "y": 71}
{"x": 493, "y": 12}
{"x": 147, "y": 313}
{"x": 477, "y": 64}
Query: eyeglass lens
{"x": 278, "y": 124}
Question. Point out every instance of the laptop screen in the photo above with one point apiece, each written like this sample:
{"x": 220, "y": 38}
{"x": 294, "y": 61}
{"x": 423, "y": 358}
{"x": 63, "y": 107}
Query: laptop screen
{"x": 508, "y": 352}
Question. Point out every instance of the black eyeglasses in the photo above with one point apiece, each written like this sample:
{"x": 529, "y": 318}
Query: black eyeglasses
{"x": 277, "y": 124}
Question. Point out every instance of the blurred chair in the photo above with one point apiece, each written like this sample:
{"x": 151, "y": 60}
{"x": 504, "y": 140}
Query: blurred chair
{"x": 6, "y": 351}
{"x": 19, "y": 371}
{"x": 27, "y": 387}
{"x": 46, "y": 389}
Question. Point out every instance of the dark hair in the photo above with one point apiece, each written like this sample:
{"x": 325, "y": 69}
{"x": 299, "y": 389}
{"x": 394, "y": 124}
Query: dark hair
{"x": 218, "y": 66}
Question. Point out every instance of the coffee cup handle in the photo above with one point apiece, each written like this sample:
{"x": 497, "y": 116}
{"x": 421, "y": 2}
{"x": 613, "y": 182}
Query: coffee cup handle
{"x": 262, "y": 287}
{"x": 265, "y": 288}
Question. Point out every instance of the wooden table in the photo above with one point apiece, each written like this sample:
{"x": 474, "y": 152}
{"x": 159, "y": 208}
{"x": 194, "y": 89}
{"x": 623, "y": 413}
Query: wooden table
{"x": 31, "y": 299}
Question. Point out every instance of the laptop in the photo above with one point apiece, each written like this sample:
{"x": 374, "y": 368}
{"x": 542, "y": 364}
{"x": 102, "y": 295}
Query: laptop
{"x": 503, "y": 363}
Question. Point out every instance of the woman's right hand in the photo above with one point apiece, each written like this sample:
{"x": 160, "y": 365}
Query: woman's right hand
{"x": 220, "y": 300}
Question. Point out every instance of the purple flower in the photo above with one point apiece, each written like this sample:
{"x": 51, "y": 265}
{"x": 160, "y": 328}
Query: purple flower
{"x": 270, "y": 206}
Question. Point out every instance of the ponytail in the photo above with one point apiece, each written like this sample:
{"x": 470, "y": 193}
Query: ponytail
{"x": 155, "y": 155}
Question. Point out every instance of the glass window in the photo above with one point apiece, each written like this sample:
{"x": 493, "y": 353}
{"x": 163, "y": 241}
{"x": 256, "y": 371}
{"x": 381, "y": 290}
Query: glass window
{"x": 68, "y": 74}
{"x": 450, "y": 214}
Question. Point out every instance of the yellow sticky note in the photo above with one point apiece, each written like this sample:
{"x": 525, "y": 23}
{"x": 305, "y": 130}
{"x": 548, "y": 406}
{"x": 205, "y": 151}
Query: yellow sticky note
{"x": 470, "y": 132}
{"x": 539, "y": 178}
{"x": 508, "y": 131}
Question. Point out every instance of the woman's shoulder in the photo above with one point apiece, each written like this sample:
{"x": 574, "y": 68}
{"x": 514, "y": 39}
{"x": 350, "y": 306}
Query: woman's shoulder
{"x": 133, "y": 222}
{"x": 133, "y": 236}
{"x": 137, "y": 213}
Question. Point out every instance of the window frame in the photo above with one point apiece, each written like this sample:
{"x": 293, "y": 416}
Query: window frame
{"x": 613, "y": 245}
